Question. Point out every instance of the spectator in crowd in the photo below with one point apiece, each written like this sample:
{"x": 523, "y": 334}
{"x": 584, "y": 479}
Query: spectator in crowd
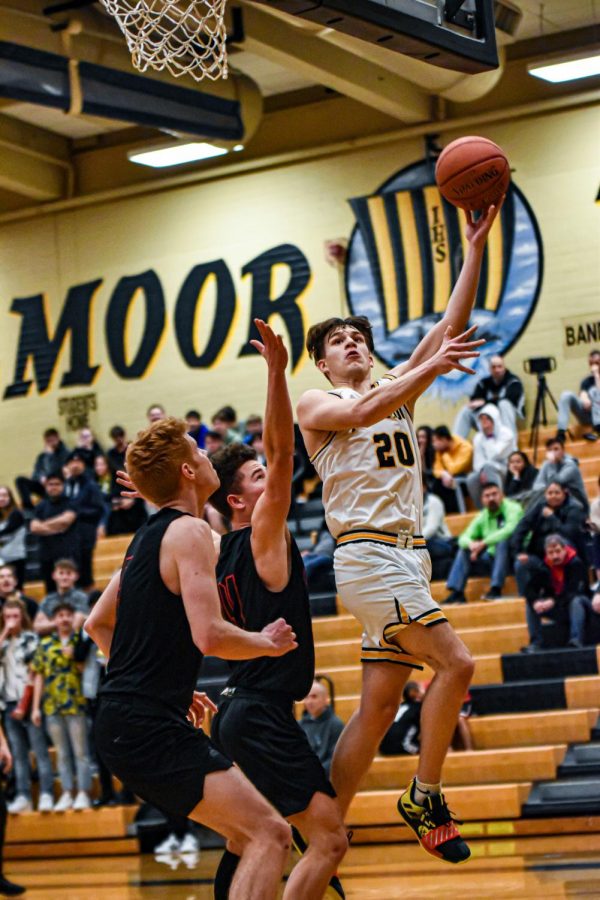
{"x": 594, "y": 393}
{"x": 65, "y": 575}
{"x": 558, "y": 590}
{"x": 564, "y": 469}
{"x": 403, "y": 735}
{"x": 86, "y": 499}
{"x": 9, "y": 590}
{"x": 213, "y": 441}
{"x": 320, "y": 724}
{"x": 462, "y": 738}
{"x": 595, "y": 530}
{"x": 50, "y": 460}
{"x": 580, "y": 406}
{"x": 7, "y": 888}
{"x": 484, "y": 545}
{"x": 92, "y": 665}
{"x": 13, "y": 532}
{"x": 501, "y": 388}
{"x": 155, "y": 413}
{"x": 18, "y": 643}
{"x": 116, "y": 454}
{"x": 318, "y": 561}
{"x": 197, "y": 430}
{"x": 88, "y": 447}
{"x": 453, "y": 456}
{"x": 127, "y": 514}
{"x": 54, "y": 523}
{"x": 225, "y": 422}
{"x": 492, "y": 446}
{"x": 585, "y": 616}
{"x": 426, "y": 451}
{"x": 254, "y": 425}
{"x": 257, "y": 444}
{"x": 104, "y": 480}
{"x": 440, "y": 543}
{"x": 521, "y": 474}
{"x": 555, "y": 513}
{"x": 57, "y": 691}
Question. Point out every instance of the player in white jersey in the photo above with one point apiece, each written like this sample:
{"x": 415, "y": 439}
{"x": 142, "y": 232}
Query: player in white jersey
{"x": 362, "y": 442}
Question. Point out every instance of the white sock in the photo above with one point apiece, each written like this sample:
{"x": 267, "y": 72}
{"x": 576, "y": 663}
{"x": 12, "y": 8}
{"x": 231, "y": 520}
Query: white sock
{"x": 421, "y": 790}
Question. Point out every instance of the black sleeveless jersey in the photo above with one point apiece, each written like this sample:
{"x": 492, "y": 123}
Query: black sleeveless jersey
{"x": 152, "y": 656}
{"x": 246, "y": 602}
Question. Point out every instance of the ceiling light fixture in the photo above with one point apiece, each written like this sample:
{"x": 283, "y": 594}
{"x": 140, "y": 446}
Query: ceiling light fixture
{"x": 175, "y": 154}
{"x": 566, "y": 69}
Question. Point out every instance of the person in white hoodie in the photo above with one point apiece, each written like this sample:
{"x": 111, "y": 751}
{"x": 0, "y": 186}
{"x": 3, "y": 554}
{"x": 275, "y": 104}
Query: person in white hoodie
{"x": 492, "y": 446}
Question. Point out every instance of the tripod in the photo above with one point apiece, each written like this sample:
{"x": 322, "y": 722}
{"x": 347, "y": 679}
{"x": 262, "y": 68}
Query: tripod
{"x": 539, "y": 412}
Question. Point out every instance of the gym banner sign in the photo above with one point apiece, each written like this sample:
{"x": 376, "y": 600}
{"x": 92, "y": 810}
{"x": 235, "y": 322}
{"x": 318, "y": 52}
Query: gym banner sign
{"x": 41, "y": 341}
{"x": 580, "y": 335}
{"x": 405, "y": 256}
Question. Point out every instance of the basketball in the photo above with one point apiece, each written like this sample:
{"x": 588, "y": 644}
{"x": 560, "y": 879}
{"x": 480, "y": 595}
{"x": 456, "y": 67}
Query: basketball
{"x": 472, "y": 173}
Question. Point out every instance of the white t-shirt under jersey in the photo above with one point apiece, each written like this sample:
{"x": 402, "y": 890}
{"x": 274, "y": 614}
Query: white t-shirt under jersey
{"x": 371, "y": 476}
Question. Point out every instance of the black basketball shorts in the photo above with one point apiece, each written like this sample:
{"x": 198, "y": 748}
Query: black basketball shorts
{"x": 160, "y": 758}
{"x": 266, "y": 742}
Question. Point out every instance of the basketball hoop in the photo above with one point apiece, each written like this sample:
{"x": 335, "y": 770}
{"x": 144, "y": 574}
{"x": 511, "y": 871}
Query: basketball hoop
{"x": 182, "y": 36}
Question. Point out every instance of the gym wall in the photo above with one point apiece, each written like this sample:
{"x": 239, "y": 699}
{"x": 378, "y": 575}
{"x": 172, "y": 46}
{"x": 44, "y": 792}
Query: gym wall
{"x": 154, "y": 295}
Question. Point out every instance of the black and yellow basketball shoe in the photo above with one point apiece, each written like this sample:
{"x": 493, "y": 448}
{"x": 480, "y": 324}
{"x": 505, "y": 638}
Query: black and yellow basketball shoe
{"x": 334, "y": 891}
{"x": 434, "y": 826}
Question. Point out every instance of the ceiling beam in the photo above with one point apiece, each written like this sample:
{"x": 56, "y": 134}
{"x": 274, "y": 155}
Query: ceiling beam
{"x": 33, "y": 141}
{"x": 33, "y": 162}
{"x": 307, "y": 54}
{"x": 29, "y": 177}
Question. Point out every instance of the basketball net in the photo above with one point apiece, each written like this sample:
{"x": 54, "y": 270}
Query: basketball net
{"x": 182, "y": 36}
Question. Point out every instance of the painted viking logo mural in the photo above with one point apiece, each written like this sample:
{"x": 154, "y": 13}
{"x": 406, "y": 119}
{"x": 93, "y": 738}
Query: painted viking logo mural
{"x": 405, "y": 255}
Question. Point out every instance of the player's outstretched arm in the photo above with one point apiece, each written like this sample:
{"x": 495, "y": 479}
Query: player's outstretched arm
{"x": 462, "y": 299}
{"x": 270, "y": 537}
{"x": 187, "y": 565}
{"x": 100, "y": 624}
{"x": 320, "y": 411}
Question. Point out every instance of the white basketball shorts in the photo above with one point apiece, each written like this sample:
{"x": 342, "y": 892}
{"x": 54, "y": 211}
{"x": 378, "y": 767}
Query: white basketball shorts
{"x": 383, "y": 580}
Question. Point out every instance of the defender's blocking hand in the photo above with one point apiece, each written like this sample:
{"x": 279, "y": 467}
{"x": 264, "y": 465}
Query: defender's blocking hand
{"x": 271, "y": 348}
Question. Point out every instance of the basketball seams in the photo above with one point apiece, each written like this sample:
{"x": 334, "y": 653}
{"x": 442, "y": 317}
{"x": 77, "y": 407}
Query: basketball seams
{"x": 472, "y": 172}
{"x": 471, "y": 166}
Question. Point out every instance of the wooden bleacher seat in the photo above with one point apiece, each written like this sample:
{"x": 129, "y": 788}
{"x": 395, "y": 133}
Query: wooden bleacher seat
{"x": 486, "y": 766}
{"x": 529, "y": 729}
{"x": 90, "y": 832}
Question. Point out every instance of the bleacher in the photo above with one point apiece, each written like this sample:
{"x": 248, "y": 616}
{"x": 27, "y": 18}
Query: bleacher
{"x": 535, "y": 768}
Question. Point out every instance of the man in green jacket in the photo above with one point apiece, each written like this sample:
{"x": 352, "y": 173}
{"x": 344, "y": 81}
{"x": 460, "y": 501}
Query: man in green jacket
{"x": 483, "y": 545}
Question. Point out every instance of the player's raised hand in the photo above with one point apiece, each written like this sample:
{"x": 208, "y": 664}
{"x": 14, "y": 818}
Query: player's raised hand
{"x": 454, "y": 349}
{"x": 476, "y": 232}
{"x": 281, "y": 638}
{"x": 125, "y": 481}
{"x": 271, "y": 347}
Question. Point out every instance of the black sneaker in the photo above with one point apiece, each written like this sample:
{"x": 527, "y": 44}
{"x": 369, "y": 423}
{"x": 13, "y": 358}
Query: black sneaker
{"x": 590, "y": 436}
{"x": 434, "y": 826}
{"x": 455, "y": 597}
{"x": 531, "y": 648}
{"x": 493, "y": 594}
{"x": 334, "y": 891}
{"x": 10, "y": 889}
{"x": 575, "y": 644}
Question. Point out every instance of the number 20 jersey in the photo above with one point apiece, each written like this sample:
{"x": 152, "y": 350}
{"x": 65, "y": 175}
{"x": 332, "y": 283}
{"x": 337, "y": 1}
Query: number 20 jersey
{"x": 372, "y": 475}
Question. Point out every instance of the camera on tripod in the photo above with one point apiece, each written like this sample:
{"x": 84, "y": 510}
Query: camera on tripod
{"x": 539, "y": 365}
